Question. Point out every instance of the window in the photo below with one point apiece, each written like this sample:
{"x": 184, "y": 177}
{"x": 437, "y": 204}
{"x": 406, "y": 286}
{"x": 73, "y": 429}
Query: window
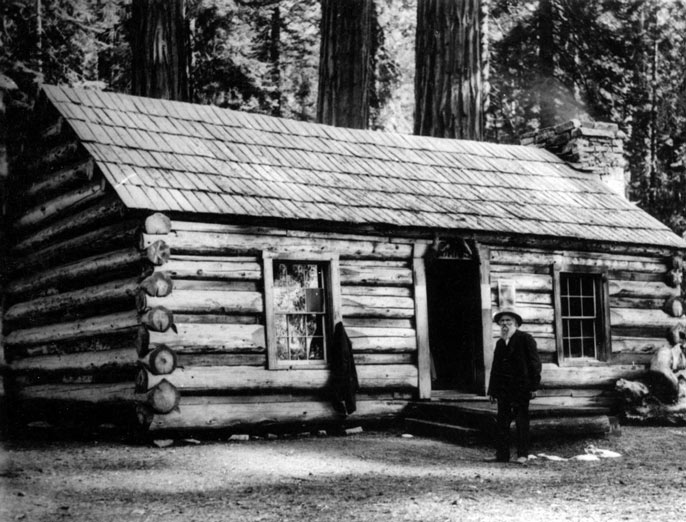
{"x": 582, "y": 314}
{"x": 299, "y": 311}
{"x": 301, "y": 296}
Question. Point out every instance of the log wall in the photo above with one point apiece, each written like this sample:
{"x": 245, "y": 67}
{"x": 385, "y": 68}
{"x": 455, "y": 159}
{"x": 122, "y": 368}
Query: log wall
{"x": 70, "y": 322}
{"x": 218, "y": 334}
{"x": 638, "y": 289}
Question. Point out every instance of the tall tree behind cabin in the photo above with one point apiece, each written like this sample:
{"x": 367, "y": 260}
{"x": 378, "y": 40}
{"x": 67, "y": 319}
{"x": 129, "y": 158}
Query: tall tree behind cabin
{"x": 345, "y": 64}
{"x": 159, "y": 48}
{"x": 448, "y": 73}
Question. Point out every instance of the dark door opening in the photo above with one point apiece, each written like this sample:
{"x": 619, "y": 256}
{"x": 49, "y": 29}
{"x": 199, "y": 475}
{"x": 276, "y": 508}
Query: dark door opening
{"x": 454, "y": 300}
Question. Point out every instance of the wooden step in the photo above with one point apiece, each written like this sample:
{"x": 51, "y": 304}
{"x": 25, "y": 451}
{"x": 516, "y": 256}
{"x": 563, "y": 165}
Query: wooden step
{"x": 450, "y": 432}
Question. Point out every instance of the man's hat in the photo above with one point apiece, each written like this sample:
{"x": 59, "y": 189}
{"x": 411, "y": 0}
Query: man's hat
{"x": 510, "y": 312}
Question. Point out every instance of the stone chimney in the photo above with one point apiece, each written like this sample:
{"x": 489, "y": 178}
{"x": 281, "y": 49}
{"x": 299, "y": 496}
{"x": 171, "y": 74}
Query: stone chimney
{"x": 593, "y": 147}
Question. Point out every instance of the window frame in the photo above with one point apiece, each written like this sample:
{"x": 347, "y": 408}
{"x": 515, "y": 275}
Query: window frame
{"x": 333, "y": 304}
{"x": 605, "y": 346}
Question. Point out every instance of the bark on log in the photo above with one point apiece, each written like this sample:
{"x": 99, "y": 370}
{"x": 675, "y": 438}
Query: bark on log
{"x": 159, "y": 284}
{"x": 53, "y": 130}
{"x": 157, "y": 223}
{"x": 105, "y": 239}
{"x": 191, "y": 267}
{"x": 626, "y": 317}
{"x": 92, "y": 268}
{"x": 376, "y": 322}
{"x": 163, "y": 398}
{"x": 354, "y": 274}
{"x": 60, "y": 181}
{"x": 546, "y": 258}
{"x": 212, "y": 285}
{"x": 554, "y": 376}
{"x": 242, "y": 379}
{"x": 388, "y": 291}
{"x": 525, "y": 282}
{"x": 641, "y": 289}
{"x": 556, "y": 427}
{"x": 93, "y": 299}
{"x": 207, "y": 338}
{"x": 193, "y": 414}
{"x": 110, "y": 210}
{"x": 222, "y": 359}
{"x": 209, "y": 302}
{"x": 59, "y": 332}
{"x": 160, "y": 361}
{"x": 640, "y": 404}
{"x": 56, "y": 157}
{"x": 89, "y": 393}
{"x": 59, "y": 205}
{"x": 88, "y": 361}
{"x": 118, "y": 340}
{"x": 198, "y": 242}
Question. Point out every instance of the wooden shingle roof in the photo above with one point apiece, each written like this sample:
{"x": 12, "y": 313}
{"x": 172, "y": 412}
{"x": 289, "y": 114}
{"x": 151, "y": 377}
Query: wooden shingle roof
{"x": 171, "y": 156}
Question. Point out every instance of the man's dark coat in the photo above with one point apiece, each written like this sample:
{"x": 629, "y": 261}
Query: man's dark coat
{"x": 516, "y": 370}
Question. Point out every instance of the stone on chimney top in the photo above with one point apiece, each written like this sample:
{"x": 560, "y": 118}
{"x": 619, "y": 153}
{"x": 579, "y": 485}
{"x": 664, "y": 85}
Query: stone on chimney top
{"x": 593, "y": 147}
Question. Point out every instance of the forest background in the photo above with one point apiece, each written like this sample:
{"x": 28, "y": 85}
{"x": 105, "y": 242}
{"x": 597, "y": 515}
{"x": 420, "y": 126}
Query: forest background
{"x": 544, "y": 62}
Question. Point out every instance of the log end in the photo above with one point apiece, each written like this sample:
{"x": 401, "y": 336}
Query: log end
{"x": 159, "y": 284}
{"x": 158, "y": 253}
{"x": 158, "y": 319}
{"x": 162, "y": 361}
{"x": 164, "y": 397}
{"x": 157, "y": 223}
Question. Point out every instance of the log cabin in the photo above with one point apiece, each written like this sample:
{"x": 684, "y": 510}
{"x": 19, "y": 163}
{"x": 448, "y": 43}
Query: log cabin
{"x": 177, "y": 266}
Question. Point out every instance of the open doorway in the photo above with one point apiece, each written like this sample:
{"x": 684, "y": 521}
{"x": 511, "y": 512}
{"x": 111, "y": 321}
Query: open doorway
{"x": 453, "y": 295}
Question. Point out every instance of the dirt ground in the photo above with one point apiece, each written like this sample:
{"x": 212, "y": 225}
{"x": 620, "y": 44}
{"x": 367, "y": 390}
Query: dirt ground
{"x": 367, "y": 476}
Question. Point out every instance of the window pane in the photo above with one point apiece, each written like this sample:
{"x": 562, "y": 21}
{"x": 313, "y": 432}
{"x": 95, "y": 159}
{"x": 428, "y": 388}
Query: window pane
{"x": 316, "y": 348}
{"x": 589, "y": 306}
{"x": 574, "y": 328}
{"x": 296, "y": 325}
{"x": 575, "y": 348}
{"x": 565, "y": 306}
{"x": 314, "y": 324}
{"x": 314, "y": 298}
{"x": 298, "y": 351}
{"x": 281, "y": 326}
{"x": 588, "y": 286}
{"x": 282, "y": 348}
{"x": 588, "y": 347}
{"x": 574, "y": 286}
{"x": 574, "y": 306}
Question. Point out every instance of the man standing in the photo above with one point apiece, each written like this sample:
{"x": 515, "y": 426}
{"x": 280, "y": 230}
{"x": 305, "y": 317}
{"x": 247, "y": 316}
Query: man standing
{"x": 515, "y": 376}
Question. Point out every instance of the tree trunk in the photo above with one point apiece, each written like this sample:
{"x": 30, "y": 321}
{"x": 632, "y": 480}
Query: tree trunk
{"x": 275, "y": 59}
{"x": 546, "y": 64}
{"x": 345, "y": 63}
{"x": 448, "y": 83}
{"x": 159, "y": 49}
